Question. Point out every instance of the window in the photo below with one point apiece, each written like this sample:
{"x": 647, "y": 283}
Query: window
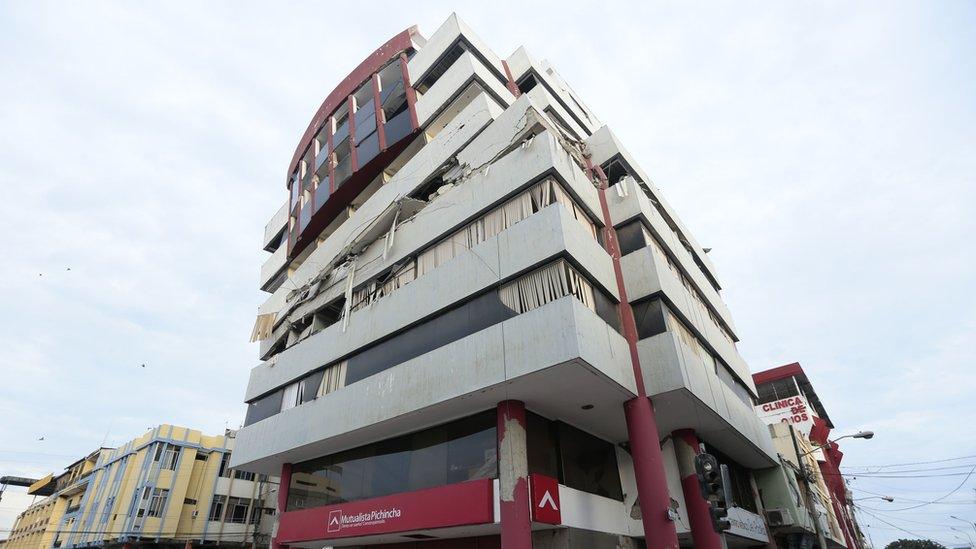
{"x": 333, "y": 378}
{"x": 289, "y": 398}
{"x": 649, "y": 317}
{"x": 451, "y": 325}
{"x": 170, "y": 457}
{"x": 200, "y": 456}
{"x": 775, "y": 390}
{"x": 545, "y": 285}
{"x": 158, "y": 452}
{"x": 578, "y": 459}
{"x": 237, "y": 510}
{"x": 243, "y": 475}
{"x": 393, "y": 100}
{"x": 189, "y": 501}
{"x": 527, "y": 83}
{"x": 454, "y": 452}
{"x": 157, "y": 502}
{"x": 217, "y": 507}
{"x": 633, "y": 236}
{"x": 440, "y": 67}
{"x": 223, "y": 471}
{"x": 263, "y": 408}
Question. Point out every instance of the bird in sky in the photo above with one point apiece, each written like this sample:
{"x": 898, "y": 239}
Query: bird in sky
{"x": 42, "y": 438}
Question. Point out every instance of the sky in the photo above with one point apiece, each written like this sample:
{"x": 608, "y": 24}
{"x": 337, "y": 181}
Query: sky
{"x": 825, "y": 151}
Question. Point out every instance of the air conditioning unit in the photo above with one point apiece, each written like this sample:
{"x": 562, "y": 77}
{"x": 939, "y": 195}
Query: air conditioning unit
{"x": 779, "y": 517}
{"x": 194, "y": 514}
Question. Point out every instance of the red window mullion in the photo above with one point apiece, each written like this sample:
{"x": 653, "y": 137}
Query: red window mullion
{"x": 411, "y": 93}
{"x": 352, "y": 135}
{"x": 329, "y": 160}
{"x": 380, "y": 122}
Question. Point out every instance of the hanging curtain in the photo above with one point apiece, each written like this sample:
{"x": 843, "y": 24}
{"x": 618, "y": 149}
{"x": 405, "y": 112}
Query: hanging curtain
{"x": 546, "y": 285}
{"x": 333, "y": 378}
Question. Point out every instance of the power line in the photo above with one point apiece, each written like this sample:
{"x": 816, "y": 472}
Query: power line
{"x": 923, "y": 470}
{"x": 909, "y": 532}
{"x": 939, "y": 499}
{"x": 912, "y": 462}
{"x": 862, "y": 475}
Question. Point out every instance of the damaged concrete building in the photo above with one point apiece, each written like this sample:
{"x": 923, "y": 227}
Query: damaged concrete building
{"x": 487, "y": 327}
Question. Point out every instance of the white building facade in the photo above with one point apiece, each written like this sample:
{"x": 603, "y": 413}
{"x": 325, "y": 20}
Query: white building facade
{"x": 487, "y": 327}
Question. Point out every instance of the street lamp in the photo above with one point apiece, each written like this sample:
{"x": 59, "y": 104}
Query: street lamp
{"x": 889, "y": 499}
{"x": 867, "y": 435}
{"x": 973, "y": 524}
{"x": 964, "y": 533}
{"x": 860, "y": 434}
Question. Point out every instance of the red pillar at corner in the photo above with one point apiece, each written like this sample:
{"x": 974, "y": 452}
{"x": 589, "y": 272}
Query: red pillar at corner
{"x": 513, "y": 476}
{"x": 283, "y": 487}
{"x": 686, "y": 447}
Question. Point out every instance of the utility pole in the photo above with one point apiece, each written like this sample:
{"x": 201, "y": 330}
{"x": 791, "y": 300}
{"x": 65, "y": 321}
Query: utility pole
{"x": 804, "y": 476}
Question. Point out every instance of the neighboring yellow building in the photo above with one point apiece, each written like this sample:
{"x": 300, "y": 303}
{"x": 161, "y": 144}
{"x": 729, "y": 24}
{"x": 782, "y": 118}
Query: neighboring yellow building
{"x": 170, "y": 486}
{"x": 37, "y": 526}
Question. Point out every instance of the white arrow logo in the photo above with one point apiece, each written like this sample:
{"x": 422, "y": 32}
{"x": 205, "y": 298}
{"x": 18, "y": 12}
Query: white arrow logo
{"x": 547, "y": 497}
{"x": 335, "y": 520}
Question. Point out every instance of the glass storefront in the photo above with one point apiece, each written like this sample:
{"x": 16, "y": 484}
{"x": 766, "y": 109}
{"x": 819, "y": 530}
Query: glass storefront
{"x": 454, "y": 452}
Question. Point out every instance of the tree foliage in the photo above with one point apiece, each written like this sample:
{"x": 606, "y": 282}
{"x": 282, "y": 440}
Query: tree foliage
{"x": 914, "y": 544}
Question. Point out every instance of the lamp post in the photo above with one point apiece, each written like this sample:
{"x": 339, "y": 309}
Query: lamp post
{"x": 889, "y": 499}
{"x": 973, "y": 524}
{"x": 965, "y": 533}
{"x": 805, "y": 476}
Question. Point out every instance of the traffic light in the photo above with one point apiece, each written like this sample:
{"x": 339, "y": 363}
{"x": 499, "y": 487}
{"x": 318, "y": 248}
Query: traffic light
{"x": 712, "y": 486}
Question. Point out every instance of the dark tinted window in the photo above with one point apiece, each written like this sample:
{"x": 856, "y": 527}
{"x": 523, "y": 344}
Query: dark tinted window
{"x": 589, "y": 464}
{"x": 527, "y": 83}
{"x": 631, "y": 237}
{"x": 453, "y": 325}
{"x": 455, "y": 452}
{"x": 263, "y": 407}
{"x": 617, "y": 169}
{"x": 542, "y": 447}
{"x": 440, "y": 67}
{"x": 312, "y": 382}
{"x": 649, "y": 317}
{"x": 579, "y": 460}
{"x": 606, "y": 309}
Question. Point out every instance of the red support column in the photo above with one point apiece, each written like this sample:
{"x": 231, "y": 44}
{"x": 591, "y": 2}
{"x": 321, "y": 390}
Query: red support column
{"x": 645, "y": 442}
{"x": 283, "y": 487}
{"x": 686, "y": 447}
{"x": 513, "y": 476}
